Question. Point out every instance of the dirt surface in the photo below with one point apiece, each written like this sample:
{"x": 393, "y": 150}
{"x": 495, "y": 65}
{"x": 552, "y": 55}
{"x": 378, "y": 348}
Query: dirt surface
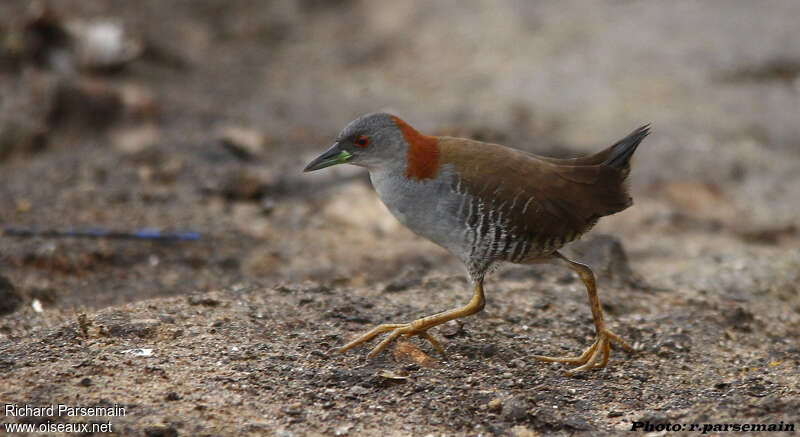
{"x": 200, "y": 116}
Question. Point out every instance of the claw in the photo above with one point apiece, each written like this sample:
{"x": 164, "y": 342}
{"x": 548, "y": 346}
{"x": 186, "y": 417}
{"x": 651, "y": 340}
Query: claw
{"x": 419, "y": 327}
{"x": 588, "y": 359}
{"x": 397, "y": 329}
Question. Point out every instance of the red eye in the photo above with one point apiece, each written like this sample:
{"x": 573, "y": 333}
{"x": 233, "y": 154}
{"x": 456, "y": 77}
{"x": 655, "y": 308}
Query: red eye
{"x": 361, "y": 141}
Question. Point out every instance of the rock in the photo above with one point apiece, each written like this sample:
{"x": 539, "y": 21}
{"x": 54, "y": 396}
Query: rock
{"x": 739, "y": 318}
{"x": 521, "y": 431}
{"x": 452, "y": 328}
{"x": 144, "y": 328}
{"x": 515, "y": 409}
{"x": 119, "y": 324}
{"x": 102, "y": 45}
{"x": 604, "y": 254}
{"x": 205, "y": 300}
{"x": 344, "y": 429}
{"x": 405, "y": 351}
{"x": 244, "y": 143}
{"x": 495, "y": 404}
{"x": 356, "y": 206}
{"x": 398, "y": 376}
{"x": 577, "y": 423}
{"x": 518, "y": 363}
{"x": 10, "y": 298}
{"x": 241, "y": 184}
{"x": 358, "y": 390}
{"x": 403, "y": 281}
{"x": 135, "y": 140}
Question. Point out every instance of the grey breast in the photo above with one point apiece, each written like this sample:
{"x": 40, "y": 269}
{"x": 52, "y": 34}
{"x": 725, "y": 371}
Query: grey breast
{"x": 428, "y": 207}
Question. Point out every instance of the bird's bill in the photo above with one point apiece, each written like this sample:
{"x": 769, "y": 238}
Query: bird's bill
{"x": 334, "y": 155}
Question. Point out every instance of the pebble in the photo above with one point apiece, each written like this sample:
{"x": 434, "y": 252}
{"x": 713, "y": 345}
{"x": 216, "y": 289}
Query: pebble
{"x": 358, "y": 390}
{"x": 515, "y": 408}
{"x": 344, "y": 429}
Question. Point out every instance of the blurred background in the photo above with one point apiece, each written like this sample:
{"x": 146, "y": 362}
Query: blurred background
{"x": 199, "y": 115}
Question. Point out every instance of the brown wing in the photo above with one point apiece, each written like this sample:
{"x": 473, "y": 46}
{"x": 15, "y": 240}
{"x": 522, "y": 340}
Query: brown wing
{"x": 542, "y": 202}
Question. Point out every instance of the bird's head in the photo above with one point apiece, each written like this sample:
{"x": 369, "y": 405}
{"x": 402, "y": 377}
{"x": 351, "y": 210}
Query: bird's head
{"x": 378, "y": 141}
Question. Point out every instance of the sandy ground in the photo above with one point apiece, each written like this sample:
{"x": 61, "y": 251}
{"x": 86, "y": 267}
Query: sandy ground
{"x": 202, "y": 117}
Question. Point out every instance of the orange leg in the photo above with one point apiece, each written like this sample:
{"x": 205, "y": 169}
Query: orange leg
{"x": 420, "y": 327}
{"x": 602, "y": 346}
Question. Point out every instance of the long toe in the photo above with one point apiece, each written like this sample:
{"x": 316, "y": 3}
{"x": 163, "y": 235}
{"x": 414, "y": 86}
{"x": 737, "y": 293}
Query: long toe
{"x": 372, "y": 333}
{"x": 395, "y": 330}
{"x": 595, "y": 356}
{"x": 570, "y": 360}
{"x": 591, "y": 363}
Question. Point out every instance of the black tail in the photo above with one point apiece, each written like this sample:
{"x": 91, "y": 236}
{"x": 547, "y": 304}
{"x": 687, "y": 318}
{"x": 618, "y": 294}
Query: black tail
{"x": 622, "y": 151}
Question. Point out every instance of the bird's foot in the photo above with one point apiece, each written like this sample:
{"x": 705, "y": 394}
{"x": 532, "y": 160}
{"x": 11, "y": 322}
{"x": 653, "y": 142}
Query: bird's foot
{"x": 415, "y": 328}
{"x": 589, "y": 357}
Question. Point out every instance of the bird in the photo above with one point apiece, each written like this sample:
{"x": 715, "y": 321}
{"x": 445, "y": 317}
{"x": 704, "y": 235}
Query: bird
{"x": 488, "y": 204}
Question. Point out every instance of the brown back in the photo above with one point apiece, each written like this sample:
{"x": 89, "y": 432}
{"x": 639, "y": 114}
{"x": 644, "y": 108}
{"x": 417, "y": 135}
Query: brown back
{"x": 546, "y": 201}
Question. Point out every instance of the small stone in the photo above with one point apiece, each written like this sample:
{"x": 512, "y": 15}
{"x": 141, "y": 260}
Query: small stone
{"x": 740, "y": 318}
{"x": 518, "y": 363}
{"x": 241, "y": 184}
{"x": 344, "y": 429}
{"x": 521, "y": 431}
{"x": 244, "y": 143}
{"x": 488, "y": 350}
{"x": 452, "y": 329}
{"x": 578, "y": 423}
{"x": 402, "y": 283}
{"x": 358, "y": 197}
{"x": 515, "y": 408}
{"x": 135, "y": 141}
{"x": 393, "y": 375}
{"x": 292, "y": 410}
{"x": 102, "y": 45}
{"x": 405, "y": 351}
{"x": 203, "y": 300}
{"x": 495, "y": 404}
{"x": 358, "y": 390}
{"x": 606, "y": 255}
{"x": 145, "y": 328}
